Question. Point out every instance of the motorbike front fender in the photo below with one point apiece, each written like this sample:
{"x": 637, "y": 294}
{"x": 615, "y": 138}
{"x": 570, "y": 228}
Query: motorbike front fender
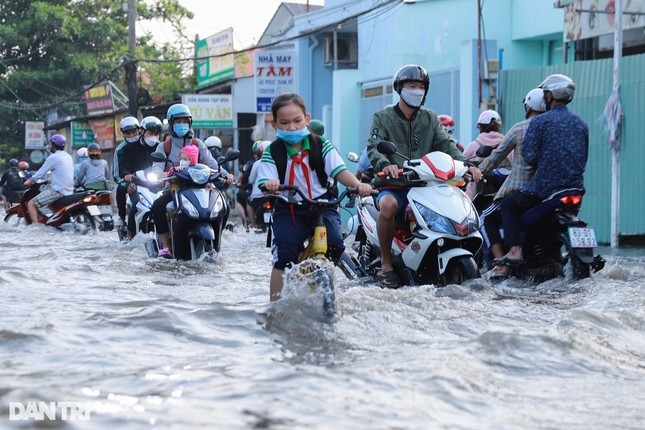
{"x": 203, "y": 230}
{"x": 444, "y": 257}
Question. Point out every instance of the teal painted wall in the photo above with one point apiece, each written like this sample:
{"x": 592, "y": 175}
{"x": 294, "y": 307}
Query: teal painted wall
{"x": 594, "y": 83}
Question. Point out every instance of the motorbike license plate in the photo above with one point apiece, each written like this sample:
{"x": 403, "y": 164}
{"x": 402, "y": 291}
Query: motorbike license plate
{"x": 582, "y": 237}
{"x": 94, "y": 210}
{"x": 105, "y": 209}
{"x": 267, "y": 217}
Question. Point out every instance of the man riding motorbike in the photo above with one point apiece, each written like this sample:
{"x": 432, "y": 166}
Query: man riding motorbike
{"x": 61, "y": 168}
{"x": 136, "y": 156}
{"x": 415, "y": 131}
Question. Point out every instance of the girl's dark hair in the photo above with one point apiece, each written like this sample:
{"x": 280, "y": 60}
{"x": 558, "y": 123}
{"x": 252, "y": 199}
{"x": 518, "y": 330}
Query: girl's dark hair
{"x": 284, "y": 99}
{"x": 487, "y": 128}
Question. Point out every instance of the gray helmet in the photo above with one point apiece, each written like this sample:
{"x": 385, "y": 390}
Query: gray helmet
{"x": 561, "y": 86}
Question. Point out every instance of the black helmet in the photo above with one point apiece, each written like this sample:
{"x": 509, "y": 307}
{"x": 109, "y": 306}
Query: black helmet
{"x": 94, "y": 150}
{"x": 13, "y": 163}
{"x": 411, "y": 73}
{"x": 151, "y": 123}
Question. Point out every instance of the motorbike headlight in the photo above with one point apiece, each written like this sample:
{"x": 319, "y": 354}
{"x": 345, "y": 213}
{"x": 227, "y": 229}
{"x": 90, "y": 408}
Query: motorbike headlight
{"x": 188, "y": 208}
{"x": 199, "y": 176}
{"x": 217, "y": 207}
{"x": 152, "y": 177}
{"x": 434, "y": 221}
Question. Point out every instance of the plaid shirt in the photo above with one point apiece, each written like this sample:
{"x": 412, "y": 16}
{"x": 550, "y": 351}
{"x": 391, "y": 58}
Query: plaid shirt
{"x": 520, "y": 171}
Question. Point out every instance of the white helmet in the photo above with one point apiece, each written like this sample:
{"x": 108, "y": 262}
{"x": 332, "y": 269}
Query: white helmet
{"x": 488, "y": 116}
{"x": 129, "y": 123}
{"x": 82, "y": 152}
{"x": 534, "y": 100}
{"x": 213, "y": 142}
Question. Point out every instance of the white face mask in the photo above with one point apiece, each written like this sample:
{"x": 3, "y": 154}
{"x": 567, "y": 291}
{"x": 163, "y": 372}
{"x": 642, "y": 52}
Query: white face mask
{"x": 184, "y": 163}
{"x": 151, "y": 140}
{"x": 132, "y": 139}
{"x": 412, "y": 97}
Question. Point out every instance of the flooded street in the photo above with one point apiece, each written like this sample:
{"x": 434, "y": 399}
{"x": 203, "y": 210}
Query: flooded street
{"x": 153, "y": 343}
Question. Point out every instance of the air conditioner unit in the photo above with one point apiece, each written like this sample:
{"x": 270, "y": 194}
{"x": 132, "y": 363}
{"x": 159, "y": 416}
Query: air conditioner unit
{"x": 347, "y": 50}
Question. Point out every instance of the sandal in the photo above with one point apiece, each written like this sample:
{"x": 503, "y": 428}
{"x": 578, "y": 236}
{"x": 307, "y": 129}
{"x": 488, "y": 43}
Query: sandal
{"x": 165, "y": 253}
{"x": 388, "y": 280}
{"x": 498, "y": 273}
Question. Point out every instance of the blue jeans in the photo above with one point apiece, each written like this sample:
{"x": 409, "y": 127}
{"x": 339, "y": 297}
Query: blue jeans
{"x": 292, "y": 225}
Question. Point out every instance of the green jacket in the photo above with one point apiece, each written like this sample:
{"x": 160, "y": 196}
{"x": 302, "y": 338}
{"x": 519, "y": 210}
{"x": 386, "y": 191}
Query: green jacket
{"x": 413, "y": 139}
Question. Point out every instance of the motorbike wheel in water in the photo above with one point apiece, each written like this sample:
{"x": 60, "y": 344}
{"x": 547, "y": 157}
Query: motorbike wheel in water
{"x": 199, "y": 247}
{"x": 459, "y": 270}
{"x": 325, "y": 283}
{"x": 12, "y": 219}
{"x": 579, "y": 269}
{"x": 152, "y": 248}
{"x": 83, "y": 222}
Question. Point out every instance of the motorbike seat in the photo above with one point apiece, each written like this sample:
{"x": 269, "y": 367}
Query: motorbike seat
{"x": 371, "y": 207}
{"x": 65, "y": 200}
{"x": 549, "y": 204}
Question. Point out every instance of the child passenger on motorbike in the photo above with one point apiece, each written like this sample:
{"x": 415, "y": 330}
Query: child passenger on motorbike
{"x": 415, "y": 131}
{"x": 293, "y": 224}
{"x": 187, "y": 157}
{"x": 180, "y": 122}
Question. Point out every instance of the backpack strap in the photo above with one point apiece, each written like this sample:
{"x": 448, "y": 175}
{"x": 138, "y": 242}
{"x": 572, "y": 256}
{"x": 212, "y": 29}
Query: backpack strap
{"x": 168, "y": 143}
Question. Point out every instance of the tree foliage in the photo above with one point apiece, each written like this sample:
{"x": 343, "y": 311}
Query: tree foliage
{"x": 51, "y": 50}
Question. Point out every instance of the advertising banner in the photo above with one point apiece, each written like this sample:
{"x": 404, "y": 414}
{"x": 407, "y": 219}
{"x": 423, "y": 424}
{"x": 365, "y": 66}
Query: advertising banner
{"x": 82, "y": 134}
{"x": 98, "y": 99}
{"x": 34, "y": 135}
{"x": 210, "y": 110}
{"x": 584, "y": 19}
{"x": 220, "y": 64}
{"x": 274, "y": 74}
{"x": 103, "y": 129}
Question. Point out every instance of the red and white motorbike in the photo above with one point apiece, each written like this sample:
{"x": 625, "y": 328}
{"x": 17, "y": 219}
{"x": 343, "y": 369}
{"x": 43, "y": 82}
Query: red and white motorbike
{"x": 435, "y": 241}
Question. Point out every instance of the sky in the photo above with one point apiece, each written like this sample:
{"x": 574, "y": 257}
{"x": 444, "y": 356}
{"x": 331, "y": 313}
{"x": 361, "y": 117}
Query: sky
{"x": 248, "y": 18}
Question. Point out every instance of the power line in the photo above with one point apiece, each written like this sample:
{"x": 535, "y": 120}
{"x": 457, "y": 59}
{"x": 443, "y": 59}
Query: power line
{"x": 331, "y": 26}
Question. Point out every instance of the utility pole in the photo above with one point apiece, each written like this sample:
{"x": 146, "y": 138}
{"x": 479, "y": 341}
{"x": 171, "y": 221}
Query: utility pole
{"x": 131, "y": 66}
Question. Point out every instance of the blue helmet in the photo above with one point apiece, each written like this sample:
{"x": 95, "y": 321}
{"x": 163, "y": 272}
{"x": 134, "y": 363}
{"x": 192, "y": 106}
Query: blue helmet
{"x": 178, "y": 111}
{"x": 13, "y": 162}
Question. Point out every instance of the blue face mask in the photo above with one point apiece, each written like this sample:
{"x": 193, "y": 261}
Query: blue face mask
{"x": 181, "y": 130}
{"x": 291, "y": 137}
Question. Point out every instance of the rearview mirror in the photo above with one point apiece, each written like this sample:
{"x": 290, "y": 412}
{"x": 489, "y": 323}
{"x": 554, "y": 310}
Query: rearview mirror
{"x": 232, "y": 154}
{"x": 386, "y": 147}
{"x": 353, "y": 157}
{"x": 484, "y": 151}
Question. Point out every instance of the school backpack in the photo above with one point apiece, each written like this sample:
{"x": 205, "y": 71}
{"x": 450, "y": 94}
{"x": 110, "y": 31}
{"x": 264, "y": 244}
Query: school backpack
{"x": 14, "y": 181}
{"x": 279, "y": 155}
{"x": 167, "y": 144}
{"x": 246, "y": 172}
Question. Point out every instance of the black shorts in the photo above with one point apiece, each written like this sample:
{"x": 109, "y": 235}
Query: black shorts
{"x": 242, "y": 197}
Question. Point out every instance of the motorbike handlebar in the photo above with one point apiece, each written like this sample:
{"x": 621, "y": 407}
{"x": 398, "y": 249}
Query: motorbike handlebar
{"x": 305, "y": 199}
